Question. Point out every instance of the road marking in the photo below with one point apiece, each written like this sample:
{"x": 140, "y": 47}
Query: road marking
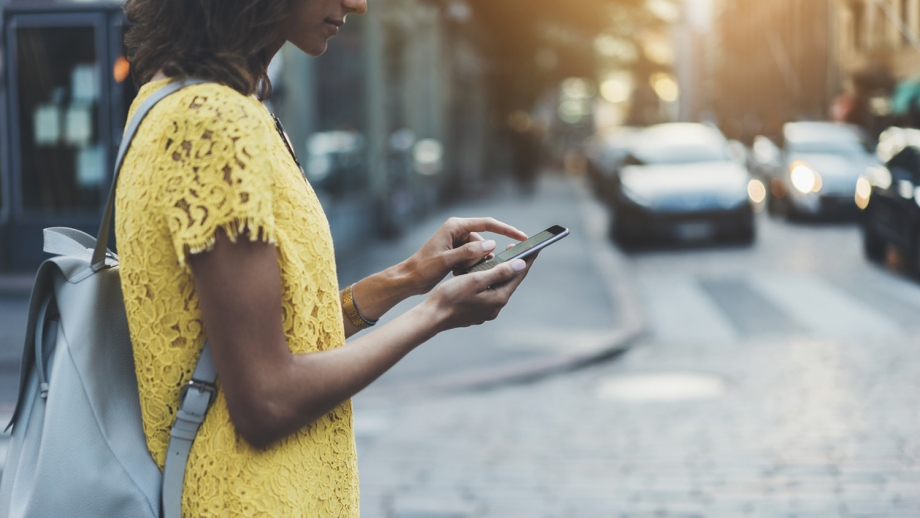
{"x": 748, "y": 309}
{"x": 821, "y": 307}
{"x": 680, "y": 311}
{"x": 660, "y": 387}
{"x": 556, "y": 340}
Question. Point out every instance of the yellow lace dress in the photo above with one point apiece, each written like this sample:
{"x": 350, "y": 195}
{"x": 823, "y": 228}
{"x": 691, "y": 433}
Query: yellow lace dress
{"x": 205, "y": 158}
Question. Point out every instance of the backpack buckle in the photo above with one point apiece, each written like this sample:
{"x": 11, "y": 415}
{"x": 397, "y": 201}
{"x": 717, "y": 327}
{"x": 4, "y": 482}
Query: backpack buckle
{"x": 201, "y": 387}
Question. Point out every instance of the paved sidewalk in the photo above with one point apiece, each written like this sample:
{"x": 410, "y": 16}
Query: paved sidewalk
{"x": 570, "y": 311}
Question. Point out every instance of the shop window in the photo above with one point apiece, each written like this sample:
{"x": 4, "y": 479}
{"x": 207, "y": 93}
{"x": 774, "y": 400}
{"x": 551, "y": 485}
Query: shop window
{"x": 62, "y": 151}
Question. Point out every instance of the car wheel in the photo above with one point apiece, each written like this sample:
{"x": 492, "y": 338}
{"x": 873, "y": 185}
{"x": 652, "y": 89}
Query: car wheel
{"x": 914, "y": 255}
{"x": 874, "y": 246}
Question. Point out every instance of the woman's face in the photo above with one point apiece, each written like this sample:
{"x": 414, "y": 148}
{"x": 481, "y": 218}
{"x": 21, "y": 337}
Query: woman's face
{"x": 313, "y": 22}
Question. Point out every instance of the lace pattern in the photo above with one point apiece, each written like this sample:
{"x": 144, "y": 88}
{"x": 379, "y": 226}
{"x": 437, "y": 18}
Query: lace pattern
{"x": 208, "y": 158}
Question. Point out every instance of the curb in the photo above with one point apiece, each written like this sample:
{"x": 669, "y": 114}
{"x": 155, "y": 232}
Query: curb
{"x": 613, "y": 272}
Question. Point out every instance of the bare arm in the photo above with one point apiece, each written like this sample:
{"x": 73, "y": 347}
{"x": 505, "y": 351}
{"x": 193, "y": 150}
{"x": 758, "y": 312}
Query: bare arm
{"x": 270, "y": 391}
{"x": 455, "y": 246}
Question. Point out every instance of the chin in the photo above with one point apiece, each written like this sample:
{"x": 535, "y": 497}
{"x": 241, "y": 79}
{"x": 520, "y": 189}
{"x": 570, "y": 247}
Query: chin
{"x": 316, "y": 49}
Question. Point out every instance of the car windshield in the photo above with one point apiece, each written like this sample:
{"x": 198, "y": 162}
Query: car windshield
{"x": 679, "y": 153}
{"x": 678, "y": 143}
{"x": 830, "y": 147}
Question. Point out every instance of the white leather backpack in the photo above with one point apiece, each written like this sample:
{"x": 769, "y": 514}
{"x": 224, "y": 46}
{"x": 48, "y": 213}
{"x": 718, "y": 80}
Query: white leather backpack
{"x": 78, "y": 447}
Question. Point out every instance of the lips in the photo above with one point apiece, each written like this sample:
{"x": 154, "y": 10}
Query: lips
{"x": 333, "y": 25}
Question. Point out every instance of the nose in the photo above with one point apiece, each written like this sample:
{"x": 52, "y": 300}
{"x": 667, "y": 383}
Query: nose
{"x": 355, "y": 6}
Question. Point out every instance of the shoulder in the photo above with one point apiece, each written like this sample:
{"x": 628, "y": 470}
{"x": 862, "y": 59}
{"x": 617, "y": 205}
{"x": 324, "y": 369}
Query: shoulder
{"x": 208, "y": 105}
{"x": 212, "y": 104}
{"x": 206, "y": 133}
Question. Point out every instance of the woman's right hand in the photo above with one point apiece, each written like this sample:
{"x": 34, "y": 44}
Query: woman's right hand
{"x": 477, "y": 297}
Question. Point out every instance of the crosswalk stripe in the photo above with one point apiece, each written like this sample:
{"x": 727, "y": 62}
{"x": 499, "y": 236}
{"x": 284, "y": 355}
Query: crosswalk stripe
{"x": 680, "y": 311}
{"x": 821, "y": 307}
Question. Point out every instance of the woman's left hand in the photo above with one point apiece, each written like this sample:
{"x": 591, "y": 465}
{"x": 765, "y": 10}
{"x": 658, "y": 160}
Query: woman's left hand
{"x": 455, "y": 247}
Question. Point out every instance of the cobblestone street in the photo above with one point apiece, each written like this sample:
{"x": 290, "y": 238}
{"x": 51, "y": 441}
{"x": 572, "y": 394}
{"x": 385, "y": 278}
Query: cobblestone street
{"x": 805, "y": 427}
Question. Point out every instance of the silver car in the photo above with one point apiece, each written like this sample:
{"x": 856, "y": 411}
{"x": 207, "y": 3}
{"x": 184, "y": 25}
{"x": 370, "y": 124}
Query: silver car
{"x": 818, "y": 169}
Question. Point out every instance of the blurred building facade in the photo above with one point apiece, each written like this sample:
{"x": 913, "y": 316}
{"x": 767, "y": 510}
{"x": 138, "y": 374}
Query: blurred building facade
{"x": 878, "y": 47}
{"x": 878, "y": 37}
{"x": 388, "y": 123}
{"x": 774, "y": 60}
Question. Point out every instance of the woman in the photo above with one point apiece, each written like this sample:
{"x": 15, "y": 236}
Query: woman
{"x": 221, "y": 238}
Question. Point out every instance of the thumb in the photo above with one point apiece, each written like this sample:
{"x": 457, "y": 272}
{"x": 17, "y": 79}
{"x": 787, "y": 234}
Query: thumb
{"x": 501, "y": 273}
{"x": 472, "y": 251}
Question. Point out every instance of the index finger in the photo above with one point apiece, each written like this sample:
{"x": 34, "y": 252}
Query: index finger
{"x": 471, "y": 225}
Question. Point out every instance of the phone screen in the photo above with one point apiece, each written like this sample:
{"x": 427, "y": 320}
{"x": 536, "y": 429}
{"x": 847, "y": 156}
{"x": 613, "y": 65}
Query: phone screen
{"x": 523, "y": 249}
{"x": 523, "y": 246}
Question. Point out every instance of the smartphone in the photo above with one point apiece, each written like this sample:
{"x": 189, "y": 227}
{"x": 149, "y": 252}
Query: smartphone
{"x": 523, "y": 249}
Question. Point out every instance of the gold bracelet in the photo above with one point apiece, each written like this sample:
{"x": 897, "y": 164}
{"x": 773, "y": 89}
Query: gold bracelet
{"x": 351, "y": 310}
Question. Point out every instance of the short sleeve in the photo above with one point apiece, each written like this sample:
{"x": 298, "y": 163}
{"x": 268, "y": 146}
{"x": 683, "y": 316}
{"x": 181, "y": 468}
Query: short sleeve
{"x": 216, "y": 171}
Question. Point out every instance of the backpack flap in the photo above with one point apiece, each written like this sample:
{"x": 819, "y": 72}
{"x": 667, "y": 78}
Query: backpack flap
{"x": 74, "y": 249}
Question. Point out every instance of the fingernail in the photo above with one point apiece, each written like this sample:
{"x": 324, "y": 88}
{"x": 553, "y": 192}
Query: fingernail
{"x": 518, "y": 265}
{"x": 488, "y": 246}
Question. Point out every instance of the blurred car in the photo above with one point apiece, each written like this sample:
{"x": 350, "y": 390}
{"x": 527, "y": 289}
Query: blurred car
{"x": 335, "y": 161}
{"x": 890, "y": 198}
{"x": 678, "y": 181}
{"x": 818, "y": 168}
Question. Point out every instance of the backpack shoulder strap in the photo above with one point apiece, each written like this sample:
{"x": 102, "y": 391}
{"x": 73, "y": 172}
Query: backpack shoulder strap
{"x": 102, "y": 239}
{"x": 197, "y": 397}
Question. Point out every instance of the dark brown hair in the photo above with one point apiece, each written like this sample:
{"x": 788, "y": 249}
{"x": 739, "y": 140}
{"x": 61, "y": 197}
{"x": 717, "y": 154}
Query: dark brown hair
{"x": 226, "y": 41}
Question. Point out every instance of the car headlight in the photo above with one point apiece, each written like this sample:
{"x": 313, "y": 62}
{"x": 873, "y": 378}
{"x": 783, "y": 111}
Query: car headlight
{"x": 632, "y": 196}
{"x": 804, "y": 178}
{"x": 863, "y": 192}
{"x": 756, "y": 190}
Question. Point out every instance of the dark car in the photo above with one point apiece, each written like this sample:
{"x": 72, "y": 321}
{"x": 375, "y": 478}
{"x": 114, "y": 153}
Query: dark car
{"x": 817, "y": 170}
{"x": 890, "y": 198}
{"x": 679, "y": 182}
